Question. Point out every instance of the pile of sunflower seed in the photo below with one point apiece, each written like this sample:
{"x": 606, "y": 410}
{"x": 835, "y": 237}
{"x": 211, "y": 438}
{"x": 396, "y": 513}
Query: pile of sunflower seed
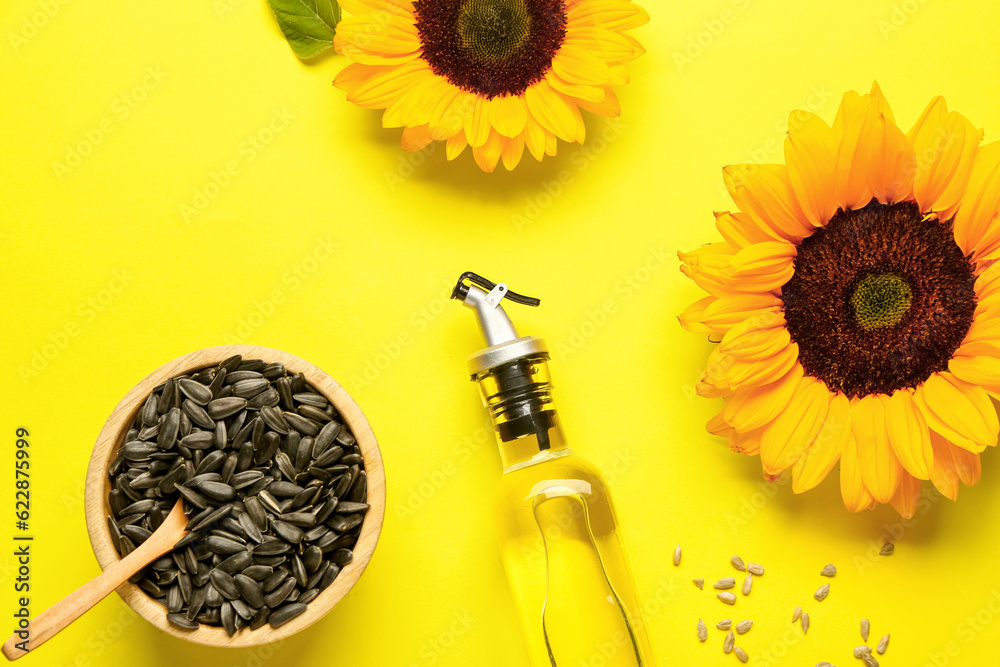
{"x": 273, "y": 483}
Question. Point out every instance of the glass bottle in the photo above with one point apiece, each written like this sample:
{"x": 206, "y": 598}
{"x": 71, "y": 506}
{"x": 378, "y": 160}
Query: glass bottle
{"x": 566, "y": 562}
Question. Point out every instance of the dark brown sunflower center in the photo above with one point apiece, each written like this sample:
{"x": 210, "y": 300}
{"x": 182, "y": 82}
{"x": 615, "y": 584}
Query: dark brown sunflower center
{"x": 491, "y": 47}
{"x": 881, "y": 298}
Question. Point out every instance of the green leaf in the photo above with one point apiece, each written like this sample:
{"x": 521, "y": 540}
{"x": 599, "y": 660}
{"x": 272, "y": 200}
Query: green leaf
{"x": 309, "y": 25}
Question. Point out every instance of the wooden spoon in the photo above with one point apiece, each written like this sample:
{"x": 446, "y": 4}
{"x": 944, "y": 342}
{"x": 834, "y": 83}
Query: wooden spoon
{"x": 55, "y": 619}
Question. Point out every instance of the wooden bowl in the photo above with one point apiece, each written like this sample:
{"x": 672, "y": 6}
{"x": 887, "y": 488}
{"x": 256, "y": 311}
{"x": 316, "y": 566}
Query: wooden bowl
{"x": 111, "y": 438}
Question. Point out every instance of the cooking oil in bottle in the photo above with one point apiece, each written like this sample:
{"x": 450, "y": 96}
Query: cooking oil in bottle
{"x": 565, "y": 559}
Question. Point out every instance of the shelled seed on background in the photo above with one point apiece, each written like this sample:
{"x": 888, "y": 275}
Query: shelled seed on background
{"x": 861, "y": 651}
{"x": 727, "y": 597}
{"x": 728, "y": 642}
{"x": 822, "y": 592}
{"x": 865, "y": 628}
{"x": 725, "y": 624}
{"x": 883, "y": 644}
{"x": 756, "y": 569}
{"x": 796, "y": 614}
{"x": 737, "y": 562}
{"x": 747, "y": 584}
{"x": 741, "y": 654}
{"x": 724, "y": 584}
{"x": 829, "y": 571}
{"x": 700, "y": 583}
{"x": 255, "y": 495}
{"x": 870, "y": 660}
{"x": 677, "y": 555}
{"x": 824, "y": 664}
{"x": 743, "y": 627}
{"x": 702, "y": 631}
{"x": 887, "y": 549}
{"x": 805, "y": 623}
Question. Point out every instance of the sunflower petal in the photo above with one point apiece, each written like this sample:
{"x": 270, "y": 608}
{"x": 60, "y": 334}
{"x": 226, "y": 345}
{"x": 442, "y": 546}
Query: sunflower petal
{"x": 756, "y": 337}
{"x": 891, "y": 159}
{"x": 594, "y": 94}
{"x": 456, "y": 144}
{"x": 908, "y": 434}
{"x": 824, "y": 451}
{"x": 755, "y": 373}
{"x": 726, "y": 312}
{"x": 690, "y": 319}
{"x": 957, "y": 410}
{"x": 945, "y": 147}
{"x": 513, "y": 151}
{"x": 851, "y": 187}
{"x": 753, "y": 407}
{"x": 382, "y": 34}
{"x": 880, "y": 469}
{"x": 551, "y": 110}
{"x": 608, "y": 46}
{"x": 508, "y": 114}
{"x": 975, "y": 222}
{"x": 608, "y": 14}
{"x": 489, "y": 153}
{"x": 745, "y": 443}
{"x": 810, "y": 153}
{"x": 788, "y": 436}
{"x": 852, "y": 486}
{"x": 477, "y": 123}
{"x": 953, "y": 464}
{"x": 416, "y": 138}
{"x": 983, "y": 371}
{"x": 906, "y": 496}
{"x": 609, "y": 107}
{"x": 739, "y": 230}
{"x": 764, "y": 192}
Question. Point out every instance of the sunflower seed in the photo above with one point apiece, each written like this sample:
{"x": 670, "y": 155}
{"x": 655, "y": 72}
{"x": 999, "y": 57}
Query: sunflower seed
{"x": 825, "y": 664}
{"x": 286, "y": 613}
{"x": 743, "y": 627}
{"x": 861, "y": 651}
{"x": 702, "y": 631}
{"x": 267, "y": 398}
{"x": 728, "y": 598}
{"x": 312, "y": 399}
{"x": 741, "y": 654}
{"x": 737, "y": 562}
{"x": 747, "y": 584}
{"x": 829, "y": 571}
{"x": 221, "y": 408}
{"x": 805, "y": 623}
{"x": 301, "y": 424}
{"x": 796, "y": 614}
{"x": 883, "y": 644}
{"x": 822, "y": 592}
{"x": 196, "y": 414}
{"x": 228, "y": 618}
{"x": 724, "y": 584}
{"x": 728, "y": 642}
{"x": 756, "y": 569}
{"x": 870, "y": 660}
{"x": 700, "y": 583}
{"x": 182, "y": 621}
{"x": 225, "y": 584}
{"x": 887, "y": 549}
{"x": 223, "y": 546}
{"x": 865, "y": 628}
{"x": 725, "y": 624}
{"x": 278, "y": 595}
{"x": 195, "y": 391}
{"x": 276, "y": 498}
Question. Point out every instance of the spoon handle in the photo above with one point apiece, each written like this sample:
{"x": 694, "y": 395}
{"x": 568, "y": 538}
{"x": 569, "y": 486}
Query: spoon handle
{"x": 54, "y": 619}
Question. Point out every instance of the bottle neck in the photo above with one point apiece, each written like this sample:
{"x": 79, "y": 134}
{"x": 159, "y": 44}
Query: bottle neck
{"x": 522, "y": 450}
{"x": 519, "y": 399}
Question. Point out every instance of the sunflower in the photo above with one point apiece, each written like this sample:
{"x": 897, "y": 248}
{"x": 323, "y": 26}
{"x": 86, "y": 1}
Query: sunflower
{"x": 855, "y": 299}
{"x": 497, "y": 75}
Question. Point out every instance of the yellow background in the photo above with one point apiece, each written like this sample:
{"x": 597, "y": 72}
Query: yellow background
{"x": 107, "y": 276}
